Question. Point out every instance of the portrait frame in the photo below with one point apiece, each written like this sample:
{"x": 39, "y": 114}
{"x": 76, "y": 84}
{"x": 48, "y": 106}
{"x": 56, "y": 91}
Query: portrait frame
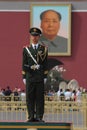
{"x": 65, "y": 25}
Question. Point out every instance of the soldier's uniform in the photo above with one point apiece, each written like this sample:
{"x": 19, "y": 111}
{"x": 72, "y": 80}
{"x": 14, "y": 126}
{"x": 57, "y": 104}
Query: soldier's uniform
{"x": 34, "y": 71}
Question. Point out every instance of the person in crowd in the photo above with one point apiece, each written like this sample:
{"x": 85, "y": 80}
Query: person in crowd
{"x": 23, "y": 95}
{"x": 8, "y": 93}
{"x": 73, "y": 96}
{"x": 50, "y": 25}
{"x": 79, "y": 95}
{"x": 35, "y": 70}
{"x": 2, "y": 92}
{"x": 68, "y": 95}
{"x": 16, "y": 94}
{"x": 60, "y": 94}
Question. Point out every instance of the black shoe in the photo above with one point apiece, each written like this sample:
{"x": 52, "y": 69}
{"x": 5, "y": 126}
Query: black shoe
{"x": 39, "y": 120}
{"x": 30, "y": 120}
{"x": 35, "y": 120}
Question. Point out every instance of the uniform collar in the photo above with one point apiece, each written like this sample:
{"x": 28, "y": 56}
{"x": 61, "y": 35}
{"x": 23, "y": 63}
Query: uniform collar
{"x": 33, "y": 45}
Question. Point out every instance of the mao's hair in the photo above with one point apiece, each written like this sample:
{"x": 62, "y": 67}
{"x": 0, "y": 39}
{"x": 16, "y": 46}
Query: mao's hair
{"x": 43, "y": 13}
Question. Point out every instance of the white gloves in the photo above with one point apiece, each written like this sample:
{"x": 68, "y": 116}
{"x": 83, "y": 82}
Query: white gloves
{"x": 34, "y": 67}
{"x": 45, "y": 80}
{"x": 24, "y": 81}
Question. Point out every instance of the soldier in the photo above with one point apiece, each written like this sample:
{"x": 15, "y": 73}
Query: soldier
{"x": 34, "y": 75}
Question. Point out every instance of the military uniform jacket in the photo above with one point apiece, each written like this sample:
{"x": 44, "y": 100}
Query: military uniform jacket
{"x": 40, "y": 55}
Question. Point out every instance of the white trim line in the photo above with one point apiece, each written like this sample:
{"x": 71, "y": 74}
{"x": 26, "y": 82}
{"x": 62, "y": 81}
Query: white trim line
{"x": 79, "y": 10}
{"x": 29, "y": 10}
{"x": 14, "y": 10}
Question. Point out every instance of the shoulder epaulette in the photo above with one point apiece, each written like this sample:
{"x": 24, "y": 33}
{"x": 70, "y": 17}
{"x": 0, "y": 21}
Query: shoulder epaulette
{"x": 44, "y": 45}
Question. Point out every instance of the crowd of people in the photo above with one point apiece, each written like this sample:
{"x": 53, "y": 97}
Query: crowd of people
{"x": 7, "y": 94}
{"x": 62, "y": 95}
{"x": 66, "y": 95}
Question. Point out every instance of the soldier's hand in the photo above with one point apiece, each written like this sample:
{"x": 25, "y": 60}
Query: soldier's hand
{"x": 34, "y": 67}
{"x": 24, "y": 81}
{"x": 45, "y": 80}
{"x": 37, "y": 66}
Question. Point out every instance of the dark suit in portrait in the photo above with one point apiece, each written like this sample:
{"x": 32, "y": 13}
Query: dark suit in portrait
{"x": 58, "y": 45}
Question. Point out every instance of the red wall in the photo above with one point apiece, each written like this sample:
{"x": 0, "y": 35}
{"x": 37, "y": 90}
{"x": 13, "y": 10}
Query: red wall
{"x": 76, "y": 64}
{"x": 14, "y": 35}
{"x": 14, "y": 28}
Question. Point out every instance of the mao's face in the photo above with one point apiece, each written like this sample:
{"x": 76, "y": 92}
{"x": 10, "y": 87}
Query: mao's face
{"x": 50, "y": 24}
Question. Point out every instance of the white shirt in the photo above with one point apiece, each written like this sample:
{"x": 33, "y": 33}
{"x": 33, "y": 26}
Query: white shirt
{"x": 67, "y": 95}
{"x": 33, "y": 45}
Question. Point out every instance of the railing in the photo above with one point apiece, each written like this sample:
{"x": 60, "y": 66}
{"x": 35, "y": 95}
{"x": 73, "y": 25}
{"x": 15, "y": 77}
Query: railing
{"x": 12, "y": 98}
{"x": 55, "y": 111}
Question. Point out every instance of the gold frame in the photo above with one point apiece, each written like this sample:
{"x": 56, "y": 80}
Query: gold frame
{"x": 37, "y": 8}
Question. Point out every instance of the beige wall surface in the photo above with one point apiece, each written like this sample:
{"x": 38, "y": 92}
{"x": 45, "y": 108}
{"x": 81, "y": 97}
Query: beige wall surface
{"x": 25, "y": 4}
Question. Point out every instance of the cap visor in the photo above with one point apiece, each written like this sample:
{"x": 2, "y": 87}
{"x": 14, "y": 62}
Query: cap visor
{"x": 35, "y": 34}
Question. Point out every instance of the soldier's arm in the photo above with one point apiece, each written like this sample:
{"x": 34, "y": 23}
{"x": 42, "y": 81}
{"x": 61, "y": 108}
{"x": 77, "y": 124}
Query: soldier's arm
{"x": 24, "y": 62}
{"x": 45, "y": 64}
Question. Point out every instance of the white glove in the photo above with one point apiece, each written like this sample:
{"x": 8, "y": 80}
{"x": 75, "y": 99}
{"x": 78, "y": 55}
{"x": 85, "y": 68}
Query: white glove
{"x": 45, "y": 80}
{"x": 24, "y": 81}
{"x": 34, "y": 67}
{"x": 37, "y": 66}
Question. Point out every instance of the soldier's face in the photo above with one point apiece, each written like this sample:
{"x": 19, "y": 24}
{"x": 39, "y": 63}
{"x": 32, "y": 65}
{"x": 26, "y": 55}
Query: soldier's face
{"x": 34, "y": 39}
{"x": 50, "y": 24}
